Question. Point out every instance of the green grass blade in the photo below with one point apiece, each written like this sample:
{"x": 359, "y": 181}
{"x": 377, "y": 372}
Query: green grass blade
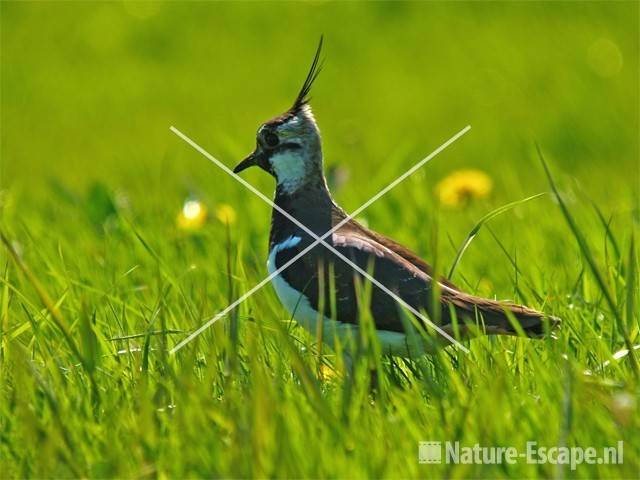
{"x": 586, "y": 253}
{"x": 631, "y": 285}
{"x": 56, "y": 315}
{"x": 474, "y": 231}
{"x": 606, "y": 224}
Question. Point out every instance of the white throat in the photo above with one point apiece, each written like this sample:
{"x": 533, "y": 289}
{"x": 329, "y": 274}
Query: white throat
{"x": 290, "y": 169}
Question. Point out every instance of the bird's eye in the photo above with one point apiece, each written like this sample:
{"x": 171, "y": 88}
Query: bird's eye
{"x": 271, "y": 139}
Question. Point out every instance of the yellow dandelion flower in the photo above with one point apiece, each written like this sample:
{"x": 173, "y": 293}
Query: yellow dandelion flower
{"x": 226, "y": 214}
{"x": 192, "y": 216}
{"x": 328, "y": 373}
{"x": 463, "y": 186}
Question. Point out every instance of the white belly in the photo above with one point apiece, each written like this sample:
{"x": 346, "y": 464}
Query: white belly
{"x": 298, "y": 306}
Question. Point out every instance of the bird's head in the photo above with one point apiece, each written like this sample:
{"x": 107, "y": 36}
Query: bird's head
{"x": 288, "y": 146}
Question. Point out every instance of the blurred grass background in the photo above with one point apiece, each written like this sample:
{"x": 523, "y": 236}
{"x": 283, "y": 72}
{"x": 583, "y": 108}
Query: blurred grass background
{"x": 90, "y": 90}
{"x": 89, "y": 167}
{"x": 90, "y": 96}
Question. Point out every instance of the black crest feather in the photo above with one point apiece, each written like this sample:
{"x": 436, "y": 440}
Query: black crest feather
{"x": 303, "y": 97}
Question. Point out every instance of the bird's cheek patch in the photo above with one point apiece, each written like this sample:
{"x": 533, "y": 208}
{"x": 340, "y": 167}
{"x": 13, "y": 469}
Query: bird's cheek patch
{"x": 289, "y": 169}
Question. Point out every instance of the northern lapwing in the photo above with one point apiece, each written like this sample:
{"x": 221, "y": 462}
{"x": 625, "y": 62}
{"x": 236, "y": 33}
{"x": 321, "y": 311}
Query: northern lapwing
{"x": 289, "y": 148}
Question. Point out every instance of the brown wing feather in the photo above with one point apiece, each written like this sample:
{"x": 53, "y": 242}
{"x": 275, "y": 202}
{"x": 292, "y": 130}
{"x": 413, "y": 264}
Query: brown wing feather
{"x": 400, "y": 250}
{"x": 466, "y": 305}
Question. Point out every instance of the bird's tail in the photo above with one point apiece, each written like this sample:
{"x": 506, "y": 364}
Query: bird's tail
{"x": 503, "y": 318}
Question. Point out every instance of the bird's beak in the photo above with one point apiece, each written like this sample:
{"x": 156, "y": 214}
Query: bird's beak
{"x": 250, "y": 161}
{"x": 255, "y": 158}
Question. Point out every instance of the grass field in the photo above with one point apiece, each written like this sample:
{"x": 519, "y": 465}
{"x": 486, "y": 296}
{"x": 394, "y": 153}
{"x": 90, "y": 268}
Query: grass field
{"x": 107, "y": 276}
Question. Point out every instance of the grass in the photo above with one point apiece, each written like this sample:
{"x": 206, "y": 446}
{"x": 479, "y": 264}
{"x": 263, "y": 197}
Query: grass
{"x": 98, "y": 282}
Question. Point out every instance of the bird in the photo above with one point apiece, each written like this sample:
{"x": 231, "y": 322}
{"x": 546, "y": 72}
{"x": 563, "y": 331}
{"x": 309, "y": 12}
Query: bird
{"x": 322, "y": 292}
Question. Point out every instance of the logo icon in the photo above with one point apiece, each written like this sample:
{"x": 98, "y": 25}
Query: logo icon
{"x": 430, "y": 452}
